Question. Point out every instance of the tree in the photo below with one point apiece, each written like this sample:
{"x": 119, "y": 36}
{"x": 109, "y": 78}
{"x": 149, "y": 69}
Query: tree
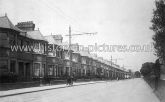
{"x": 147, "y": 68}
{"x": 158, "y": 26}
{"x": 137, "y": 74}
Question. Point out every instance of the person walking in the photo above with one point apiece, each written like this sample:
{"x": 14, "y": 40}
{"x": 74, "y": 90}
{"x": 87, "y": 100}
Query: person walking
{"x": 68, "y": 80}
{"x": 71, "y": 78}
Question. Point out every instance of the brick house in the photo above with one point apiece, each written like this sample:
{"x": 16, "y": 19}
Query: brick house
{"x": 55, "y": 56}
{"x": 39, "y": 53}
{"x": 14, "y": 60}
{"x": 27, "y": 55}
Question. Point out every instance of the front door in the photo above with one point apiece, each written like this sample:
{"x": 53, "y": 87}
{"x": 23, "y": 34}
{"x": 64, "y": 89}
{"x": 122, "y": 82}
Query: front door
{"x": 27, "y": 71}
{"x": 21, "y": 71}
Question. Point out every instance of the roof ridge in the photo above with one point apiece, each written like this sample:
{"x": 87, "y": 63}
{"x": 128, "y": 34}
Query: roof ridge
{"x": 38, "y": 33}
{"x": 10, "y": 24}
{"x": 42, "y": 35}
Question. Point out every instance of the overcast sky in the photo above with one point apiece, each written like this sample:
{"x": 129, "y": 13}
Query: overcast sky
{"x": 117, "y": 22}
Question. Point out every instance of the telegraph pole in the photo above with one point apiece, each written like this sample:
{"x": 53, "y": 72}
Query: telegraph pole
{"x": 111, "y": 60}
{"x": 70, "y": 44}
{"x": 70, "y": 69}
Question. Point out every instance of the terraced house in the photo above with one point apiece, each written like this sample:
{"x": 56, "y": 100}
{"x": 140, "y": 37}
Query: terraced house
{"x": 55, "y": 67}
{"x": 27, "y": 55}
{"x": 23, "y": 51}
{"x": 39, "y": 45}
{"x": 13, "y": 62}
{"x": 76, "y": 64}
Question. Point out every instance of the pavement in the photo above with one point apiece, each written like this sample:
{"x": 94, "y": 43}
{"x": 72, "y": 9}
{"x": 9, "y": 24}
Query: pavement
{"x": 41, "y": 88}
{"x": 133, "y": 90}
{"x": 160, "y": 92}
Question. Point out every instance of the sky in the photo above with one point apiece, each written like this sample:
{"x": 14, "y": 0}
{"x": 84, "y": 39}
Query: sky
{"x": 117, "y": 22}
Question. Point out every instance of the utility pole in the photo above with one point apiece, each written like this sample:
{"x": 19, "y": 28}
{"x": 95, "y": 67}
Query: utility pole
{"x": 70, "y": 44}
{"x": 70, "y": 57}
{"x": 111, "y": 60}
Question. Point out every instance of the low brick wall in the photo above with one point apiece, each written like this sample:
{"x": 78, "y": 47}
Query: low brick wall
{"x": 56, "y": 82}
{"x": 19, "y": 85}
{"x": 10, "y": 86}
{"x": 160, "y": 92}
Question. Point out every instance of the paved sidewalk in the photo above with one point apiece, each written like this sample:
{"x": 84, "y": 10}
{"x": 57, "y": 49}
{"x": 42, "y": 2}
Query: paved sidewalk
{"x": 133, "y": 90}
{"x": 41, "y": 88}
{"x": 160, "y": 92}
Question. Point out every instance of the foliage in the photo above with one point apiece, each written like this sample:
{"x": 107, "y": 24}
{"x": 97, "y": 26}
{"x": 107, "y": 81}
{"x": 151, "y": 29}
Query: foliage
{"x": 158, "y": 26}
{"x": 137, "y": 74}
{"x": 147, "y": 68}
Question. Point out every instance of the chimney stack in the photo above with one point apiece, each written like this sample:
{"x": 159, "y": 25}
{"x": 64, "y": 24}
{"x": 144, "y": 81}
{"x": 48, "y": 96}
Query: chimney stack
{"x": 27, "y": 26}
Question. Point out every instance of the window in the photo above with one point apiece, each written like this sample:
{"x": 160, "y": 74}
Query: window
{"x": 22, "y": 42}
{"x": 83, "y": 60}
{"x": 54, "y": 53}
{"x": 3, "y": 36}
{"x": 12, "y": 42}
{"x": 41, "y": 48}
{"x": 60, "y": 71}
{"x": 43, "y": 69}
{"x": 50, "y": 70}
{"x": 12, "y": 66}
{"x": 3, "y": 65}
{"x": 55, "y": 71}
{"x": 45, "y": 48}
{"x": 4, "y": 40}
{"x": 58, "y": 50}
{"x": 66, "y": 55}
{"x": 36, "y": 45}
{"x": 29, "y": 46}
{"x": 36, "y": 69}
{"x": 19, "y": 42}
{"x": 12, "y": 39}
{"x": 57, "y": 53}
{"x": 75, "y": 58}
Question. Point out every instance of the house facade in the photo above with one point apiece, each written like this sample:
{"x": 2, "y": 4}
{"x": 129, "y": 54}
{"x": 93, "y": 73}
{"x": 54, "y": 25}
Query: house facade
{"x": 39, "y": 48}
{"x": 55, "y": 67}
{"x": 27, "y": 55}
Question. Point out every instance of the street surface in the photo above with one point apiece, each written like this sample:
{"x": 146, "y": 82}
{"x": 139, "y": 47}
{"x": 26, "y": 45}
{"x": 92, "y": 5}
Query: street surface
{"x": 133, "y": 90}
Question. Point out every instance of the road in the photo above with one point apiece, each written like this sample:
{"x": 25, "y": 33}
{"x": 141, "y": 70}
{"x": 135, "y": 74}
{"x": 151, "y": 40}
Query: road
{"x": 133, "y": 90}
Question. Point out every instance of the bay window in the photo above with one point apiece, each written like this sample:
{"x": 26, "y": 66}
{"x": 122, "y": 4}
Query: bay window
{"x": 36, "y": 69}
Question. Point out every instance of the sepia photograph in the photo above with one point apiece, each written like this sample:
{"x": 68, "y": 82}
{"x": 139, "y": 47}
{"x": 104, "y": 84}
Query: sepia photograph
{"x": 82, "y": 50}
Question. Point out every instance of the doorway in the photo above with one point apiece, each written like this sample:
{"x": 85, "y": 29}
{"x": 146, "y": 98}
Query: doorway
{"x": 27, "y": 71}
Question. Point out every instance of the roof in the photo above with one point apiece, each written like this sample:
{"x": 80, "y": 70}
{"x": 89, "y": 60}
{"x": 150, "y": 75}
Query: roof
{"x": 36, "y": 34}
{"x": 51, "y": 40}
{"x": 6, "y": 23}
{"x": 57, "y": 36}
{"x": 84, "y": 53}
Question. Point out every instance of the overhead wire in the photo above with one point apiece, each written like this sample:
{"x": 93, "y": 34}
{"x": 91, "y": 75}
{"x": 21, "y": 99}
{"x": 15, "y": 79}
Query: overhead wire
{"x": 59, "y": 12}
